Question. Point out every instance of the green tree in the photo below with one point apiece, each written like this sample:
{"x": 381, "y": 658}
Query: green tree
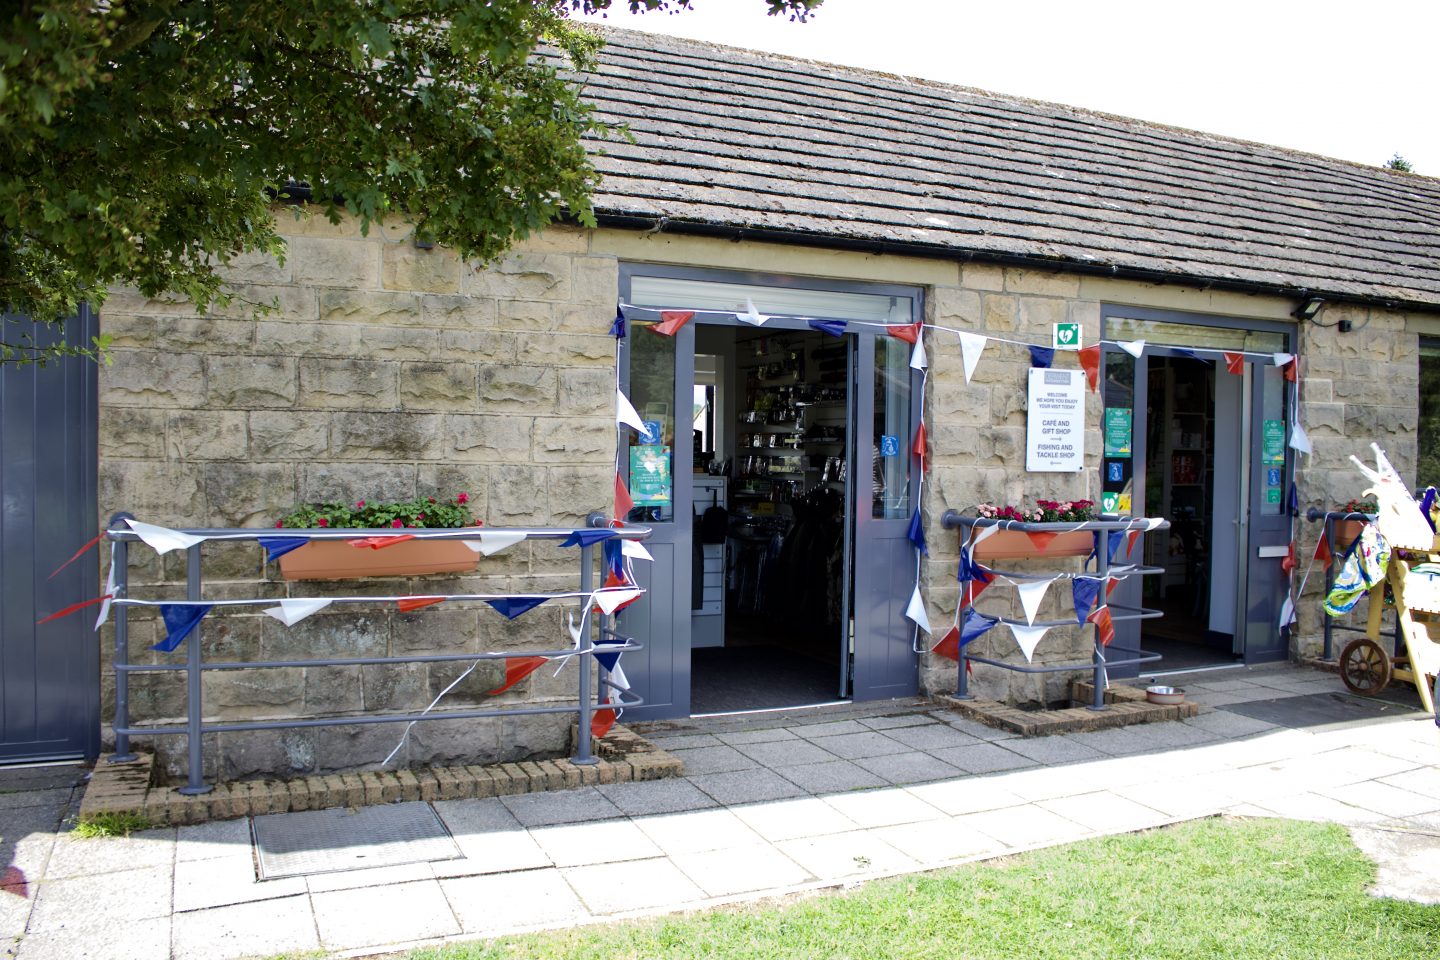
{"x": 145, "y": 140}
{"x": 1398, "y": 162}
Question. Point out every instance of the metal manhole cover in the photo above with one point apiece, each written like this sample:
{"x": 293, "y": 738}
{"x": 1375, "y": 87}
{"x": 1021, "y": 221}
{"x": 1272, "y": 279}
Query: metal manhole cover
{"x": 1336, "y": 707}
{"x": 328, "y": 841}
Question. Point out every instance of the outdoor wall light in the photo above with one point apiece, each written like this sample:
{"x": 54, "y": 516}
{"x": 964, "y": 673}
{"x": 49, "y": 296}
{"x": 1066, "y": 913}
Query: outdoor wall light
{"x": 1308, "y": 309}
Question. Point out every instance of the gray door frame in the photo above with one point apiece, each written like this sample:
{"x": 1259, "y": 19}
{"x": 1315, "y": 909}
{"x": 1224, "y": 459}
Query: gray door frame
{"x": 50, "y": 673}
{"x": 1257, "y": 636}
{"x": 669, "y": 696}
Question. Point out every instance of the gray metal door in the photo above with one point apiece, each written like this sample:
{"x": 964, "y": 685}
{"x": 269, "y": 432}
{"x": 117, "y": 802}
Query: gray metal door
{"x": 49, "y": 674}
{"x": 1266, "y": 529}
{"x": 883, "y": 471}
{"x": 658, "y": 374}
{"x": 1122, "y": 472}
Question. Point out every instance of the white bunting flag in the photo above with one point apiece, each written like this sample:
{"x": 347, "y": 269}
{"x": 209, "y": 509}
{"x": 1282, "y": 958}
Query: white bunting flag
{"x": 576, "y": 630}
{"x": 1132, "y": 347}
{"x": 1299, "y": 439}
{"x": 1032, "y": 594}
{"x": 109, "y": 591}
{"x": 617, "y": 677}
{"x": 635, "y": 550}
{"x": 609, "y": 600}
{"x": 1287, "y": 612}
{"x": 1283, "y": 358}
{"x": 751, "y": 316}
{"x": 918, "y": 360}
{"x": 493, "y": 541}
{"x": 971, "y": 346}
{"x": 626, "y": 413}
{"x": 163, "y": 539}
{"x": 916, "y": 610}
{"x": 291, "y": 612}
{"x": 1028, "y": 638}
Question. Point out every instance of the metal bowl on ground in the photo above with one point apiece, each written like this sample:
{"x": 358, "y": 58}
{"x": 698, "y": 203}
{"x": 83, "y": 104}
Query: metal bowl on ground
{"x": 1166, "y": 696}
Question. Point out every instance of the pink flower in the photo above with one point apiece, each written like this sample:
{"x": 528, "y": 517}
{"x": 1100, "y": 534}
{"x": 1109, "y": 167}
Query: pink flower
{"x": 462, "y": 498}
{"x": 360, "y": 505}
{"x": 420, "y": 519}
{"x": 279, "y": 523}
{"x": 396, "y": 523}
{"x": 322, "y": 522}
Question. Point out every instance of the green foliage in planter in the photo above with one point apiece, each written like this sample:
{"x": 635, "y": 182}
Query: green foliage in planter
{"x": 363, "y": 515}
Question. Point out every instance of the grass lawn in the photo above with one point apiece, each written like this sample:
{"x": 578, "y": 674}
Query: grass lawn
{"x": 1235, "y": 889}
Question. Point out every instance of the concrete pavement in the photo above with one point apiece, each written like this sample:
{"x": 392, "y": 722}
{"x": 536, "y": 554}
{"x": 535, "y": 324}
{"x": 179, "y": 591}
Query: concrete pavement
{"x": 771, "y": 803}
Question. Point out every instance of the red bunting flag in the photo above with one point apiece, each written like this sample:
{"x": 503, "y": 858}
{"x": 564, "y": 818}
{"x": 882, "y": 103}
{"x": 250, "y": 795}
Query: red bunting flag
{"x": 1291, "y": 370}
{"x": 918, "y": 447}
{"x": 1103, "y": 624}
{"x": 909, "y": 332}
{"x": 1130, "y": 539}
{"x": 1323, "y": 554}
{"x": 1090, "y": 363}
{"x": 73, "y": 607}
{"x": 1235, "y": 363}
{"x": 1288, "y": 564}
{"x": 600, "y": 722}
{"x": 623, "y": 500}
{"x": 1110, "y": 586}
{"x": 974, "y": 588}
{"x": 415, "y": 603}
{"x": 613, "y": 580}
{"x": 76, "y": 556}
{"x": 949, "y": 645}
{"x": 517, "y": 669}
{"x": 380, "y": 543}
{"x": 1041, "y": 540}
{"x": 671, "y": 321}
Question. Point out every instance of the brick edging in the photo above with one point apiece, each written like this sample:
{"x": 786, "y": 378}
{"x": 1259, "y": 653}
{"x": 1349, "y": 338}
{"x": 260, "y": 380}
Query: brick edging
{"x": 1124, "y": 706}
{"x": 622, "y": 756}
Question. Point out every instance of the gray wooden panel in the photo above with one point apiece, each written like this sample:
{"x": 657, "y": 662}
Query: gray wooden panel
{"x": 49, "y": 674}
{"x": 1266, "y": 583}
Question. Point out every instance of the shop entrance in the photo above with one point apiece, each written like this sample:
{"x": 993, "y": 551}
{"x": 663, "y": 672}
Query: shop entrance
{"x": 1190, "y": 439}
{"x": 782, "y": 568}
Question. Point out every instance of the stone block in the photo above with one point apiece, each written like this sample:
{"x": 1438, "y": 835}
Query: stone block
{"x": 288, "y": 435}
{"x": 527, "y": 317}
{"x": 255, "y": 693}
{"x": 348, "y": 482}
{"x": 573, "y": 440}
{"x": 152, "y": 379}
{"x": 595, "y": 281}
{"x": 555, "y": 238}
{"x": 1038, "y": 314}
{"x": 132, "y": 432}
{"x": 325, "y": 262}
{"x": 484, "y": 346}
{"x": 332, "y": 690}
{"x": 571, "y": 350}
{"x": 127, "y": 330}
{"x": 443, "y": 629}
{"x": 474, "y": 689}
{"x": 1044, "y": 283}
{"x": 998, "y": 313}
{"x": 394, "y": 687}
{"x": 586, "y": 391}
{"x": 520, "y": 276}
{"x": 305, "y": 221}
{"x": 347, "y": 633}
{"x": 487, "y": 438}
{"x": 460, "y": 313}
{"x": 575, "y": 491}
{"x": 250, "y": 381}
{"x": 387, "y": 436}
{"x": 206, "y": 435}
{"x": 205, "y": 334}
{"x": 983, "y": 276}
{"x": 256, "y": 302}
{"x": 437, "y": 386}
{"x": 525, "y": 737}
{"x": 165, "y": 493}
{"x": 255, "y": 267}
{"x": 409, "y": 785}
{"x": 405, "y": 267}
{"x": 370, "y": 308}
{"x": 340, "y": 341}
{"x": 348, "y": 384}
{"x": 248, "y": 494}
{"x": 521, "y": 389}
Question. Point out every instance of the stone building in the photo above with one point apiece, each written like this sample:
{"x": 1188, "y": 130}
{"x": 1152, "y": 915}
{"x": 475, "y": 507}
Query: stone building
{"x": 800, "y": 192}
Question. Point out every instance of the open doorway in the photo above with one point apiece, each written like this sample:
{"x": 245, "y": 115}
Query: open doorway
{"x": 1193, "y": 479}
{"x": 771, "y": 466}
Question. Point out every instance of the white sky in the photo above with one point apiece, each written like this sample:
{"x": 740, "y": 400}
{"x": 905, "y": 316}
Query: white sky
{"x": 1354, "y": 80}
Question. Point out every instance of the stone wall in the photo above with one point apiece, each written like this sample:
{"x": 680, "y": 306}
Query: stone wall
{"x": 383, "y": 372}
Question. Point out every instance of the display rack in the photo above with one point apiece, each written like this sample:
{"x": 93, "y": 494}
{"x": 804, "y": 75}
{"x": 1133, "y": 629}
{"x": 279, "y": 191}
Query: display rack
{"x": 1099, "y": 663}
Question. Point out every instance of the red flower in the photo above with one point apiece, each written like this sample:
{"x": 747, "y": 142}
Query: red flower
{"x": 432, "y": 499}
{"x": 279, "y": 523}
{"x": 360, "y": 505}
{"x": 322, "y": 522}
{"x": 420, "y": 519}
{"x": 462, "y": 498}
{"x": 396, "y": 523}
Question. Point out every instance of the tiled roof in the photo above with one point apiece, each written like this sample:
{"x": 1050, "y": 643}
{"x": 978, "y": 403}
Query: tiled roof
{"x": 729, "y": 140}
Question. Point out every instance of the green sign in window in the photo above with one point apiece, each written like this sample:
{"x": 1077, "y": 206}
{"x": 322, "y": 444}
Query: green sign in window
{"x": 1273, "y": 439}
{"x": 650, "y": 474}
{"x": 1117, "y": 431}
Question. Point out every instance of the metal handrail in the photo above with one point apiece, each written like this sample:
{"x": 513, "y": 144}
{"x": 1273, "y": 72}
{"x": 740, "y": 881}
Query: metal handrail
{"x": 1098, "y": 664}
{"x": 194, "y": 729}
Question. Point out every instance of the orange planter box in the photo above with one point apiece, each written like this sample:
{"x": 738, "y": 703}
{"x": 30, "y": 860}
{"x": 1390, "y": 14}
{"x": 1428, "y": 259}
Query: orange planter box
{"x": 338, "y": 560}
{"x": 1346, "y": 531}
{"x": 1017, "y": 545}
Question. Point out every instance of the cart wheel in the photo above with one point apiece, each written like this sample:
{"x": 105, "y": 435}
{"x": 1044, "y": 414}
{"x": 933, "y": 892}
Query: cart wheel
{"x": 1364, "y": 666}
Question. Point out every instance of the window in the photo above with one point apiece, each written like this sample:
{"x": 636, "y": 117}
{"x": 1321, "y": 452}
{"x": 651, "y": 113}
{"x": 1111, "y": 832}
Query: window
{"x": 1427, "y": 469}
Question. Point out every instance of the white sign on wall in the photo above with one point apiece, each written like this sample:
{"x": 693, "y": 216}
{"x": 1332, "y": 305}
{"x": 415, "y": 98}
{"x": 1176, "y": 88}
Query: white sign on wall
{"x": 1055, "y": 424}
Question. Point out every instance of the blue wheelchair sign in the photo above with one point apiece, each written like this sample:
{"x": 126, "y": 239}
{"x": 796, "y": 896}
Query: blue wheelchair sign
{"x": 1272, "y": 477}
{"x": 1115, "y": 471}
{"x": 889, "y": 445}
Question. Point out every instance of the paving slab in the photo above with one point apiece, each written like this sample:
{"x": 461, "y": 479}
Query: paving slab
{"x": 969, "y": 795}
{"x": 632, "y": 885}
{"x": 245, "y": 930}
{"x": 910, "y": 767}
{"x": 943, "y": 841}
{"x": 74, "y": 856}
{"x": 492, "y": 905}
{"x": 381, "y": 916}
{"x": 747, "y": 786}
{"x": 726, "y": 872}
{"x": 832, "y": 728}
{"x": 90, "y": 902}
{"x": 983, "y": 758}
{"x": 213, "y": 840}
{"x": 1383, "y": 798}
{"x": 837, "y": 776}
{"x": 219, "y": 882}
{"x": 1105, "y": 812}
{"x": 739, "y": 737}
{"x": 120, "y": 940}
{"x": 575, "y": 844}
{"x": 853, "y": 746}
{"x": 697, "y": 831}
{"x": 785, "y": 753}
{"x": 902, "y": 720}
{"x": 1024, "y": 826}
{"x": 842, "y": 855}
{"x": 1409, "y": 862}
{"x": 720, "y": 759}
{"x": 884, "y": 808}
{"x": 791, "y": 819}
{"x": 581, "y": 805}
{"x": 657, "y": 796}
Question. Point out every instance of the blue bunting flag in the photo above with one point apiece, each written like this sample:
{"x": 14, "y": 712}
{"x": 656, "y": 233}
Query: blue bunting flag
{"x": 180, "y": 620}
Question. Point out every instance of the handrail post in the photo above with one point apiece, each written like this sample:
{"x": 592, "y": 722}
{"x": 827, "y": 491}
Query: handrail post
{"x": 120, "y": 564}
{"x": 962, "y": 686}
{"x": 195, "y": 740}
{"x": 1102, "y": 569}
{"x": 1328, "y": 653}
{"x": 584, "y": 655}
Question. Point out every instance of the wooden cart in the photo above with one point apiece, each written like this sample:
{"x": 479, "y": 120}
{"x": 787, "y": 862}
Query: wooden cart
{"x": 1365, "y": 666}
